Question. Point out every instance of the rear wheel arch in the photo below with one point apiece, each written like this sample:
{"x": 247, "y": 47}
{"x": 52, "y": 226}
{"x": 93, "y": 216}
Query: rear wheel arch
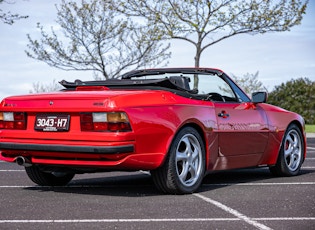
{"x": 200, "y": 131}
{"x": 193, "y": 125}
{"x": 185, "y": 162}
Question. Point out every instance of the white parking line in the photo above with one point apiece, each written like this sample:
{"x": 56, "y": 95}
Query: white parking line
{"x": 17, "y": 186}
{"x": 156, "y": 220}
{"x": 12, "y": 170}
{"x": 119, "y": 220}
{"x": 284, "y": 218}
{"x": 260, "y": 184}
{"x": 311, "y": 148}
{"x": 308, "y": 167}
{"x": 233, "y": 212}
{"x": 106, "y": 186}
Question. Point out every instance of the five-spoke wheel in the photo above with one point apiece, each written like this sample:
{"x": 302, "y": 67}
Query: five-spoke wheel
{"x": 291, "y": 155}
{"x": 188, "y": 160}
{"x": 184, "y": 167}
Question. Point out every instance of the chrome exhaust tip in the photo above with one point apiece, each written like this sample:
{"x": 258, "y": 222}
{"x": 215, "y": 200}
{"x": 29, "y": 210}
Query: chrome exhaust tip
{"x": 22, "y": 161}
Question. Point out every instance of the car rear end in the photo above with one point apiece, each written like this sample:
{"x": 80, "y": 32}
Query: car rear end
{"x": 70, "y": 129}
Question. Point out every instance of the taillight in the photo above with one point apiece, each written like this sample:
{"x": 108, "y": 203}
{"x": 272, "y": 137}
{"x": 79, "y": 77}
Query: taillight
{"x": 12, "y": 120}
{"x": 105, "y": 122}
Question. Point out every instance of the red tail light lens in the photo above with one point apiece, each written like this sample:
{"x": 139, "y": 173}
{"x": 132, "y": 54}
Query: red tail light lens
{"x": 12, "y": 120}
{"x": 105, "y": 122}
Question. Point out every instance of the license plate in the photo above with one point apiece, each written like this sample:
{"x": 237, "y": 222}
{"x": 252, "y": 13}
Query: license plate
{"x": 52, "y": 123}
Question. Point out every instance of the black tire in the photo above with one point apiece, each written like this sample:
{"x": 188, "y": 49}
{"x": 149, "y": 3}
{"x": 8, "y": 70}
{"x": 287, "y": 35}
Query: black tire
{"x": 48, "y": 179}
{"x": 291, "y": 155}
{"x": 184, "y": 166}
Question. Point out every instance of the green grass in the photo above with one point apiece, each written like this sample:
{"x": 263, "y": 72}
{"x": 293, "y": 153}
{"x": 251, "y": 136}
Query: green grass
{"x": 310, "y": 128}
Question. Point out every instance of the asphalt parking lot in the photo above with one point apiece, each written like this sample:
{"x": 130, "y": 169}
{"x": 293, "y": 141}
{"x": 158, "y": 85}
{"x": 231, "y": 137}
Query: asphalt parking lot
{"x": 238, "y": 199}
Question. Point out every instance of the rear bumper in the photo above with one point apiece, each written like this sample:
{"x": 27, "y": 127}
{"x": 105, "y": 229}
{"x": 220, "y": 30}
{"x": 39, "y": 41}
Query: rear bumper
{"x": 113, "y": 157}
{"x": 67, "y": 148}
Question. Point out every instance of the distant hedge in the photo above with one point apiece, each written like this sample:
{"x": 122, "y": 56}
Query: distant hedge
{"x": 297, "y": 95}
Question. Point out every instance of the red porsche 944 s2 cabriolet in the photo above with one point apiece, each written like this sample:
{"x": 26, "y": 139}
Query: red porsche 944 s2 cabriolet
{"x": 177, "y": 123}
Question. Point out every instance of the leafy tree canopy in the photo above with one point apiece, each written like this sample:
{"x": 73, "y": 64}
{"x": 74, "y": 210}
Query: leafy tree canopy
{"x": 38, "y": 87}
{"x": 203, "y": 23}
{"x": 96, "y": 37}
{"x": 8, "y": 17}
{"x": 297, "y": 95}
{"x": 112, "y": 36}
{"x": 249, "y": 83}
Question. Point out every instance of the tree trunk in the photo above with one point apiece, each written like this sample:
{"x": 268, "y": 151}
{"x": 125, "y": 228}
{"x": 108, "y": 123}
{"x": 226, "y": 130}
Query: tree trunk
{"x": 197, "y": 64}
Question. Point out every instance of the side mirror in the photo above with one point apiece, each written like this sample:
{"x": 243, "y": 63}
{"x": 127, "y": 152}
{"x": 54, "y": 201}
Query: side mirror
{"x": 259, "y": 97}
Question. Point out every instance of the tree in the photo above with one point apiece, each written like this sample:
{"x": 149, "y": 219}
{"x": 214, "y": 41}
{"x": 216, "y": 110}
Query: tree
{"x": 40, "y": 88}
{"x": 97, "y": 38}
{"x": 296, "y": 95}
{"x": 249, "y": 83}
{"x": 203, "y": 23}
{"x": 8, "y": 17}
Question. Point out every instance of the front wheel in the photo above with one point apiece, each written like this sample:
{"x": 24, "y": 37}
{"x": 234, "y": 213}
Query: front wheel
{"x": 184, "y": 167}
{"x": 48, "y": 179}
{"x": 291, "y": 155}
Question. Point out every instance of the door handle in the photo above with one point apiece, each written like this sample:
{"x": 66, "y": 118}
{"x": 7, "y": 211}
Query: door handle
{"x": 223, "y": 114}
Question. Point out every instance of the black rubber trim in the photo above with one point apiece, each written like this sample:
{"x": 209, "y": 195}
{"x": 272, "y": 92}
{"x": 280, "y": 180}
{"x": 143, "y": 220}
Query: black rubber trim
{"x": 67, "y": 148}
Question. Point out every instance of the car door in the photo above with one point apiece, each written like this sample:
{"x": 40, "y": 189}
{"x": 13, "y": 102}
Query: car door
{"x": 243, "y": 131}
{"x": 242, "y": 125}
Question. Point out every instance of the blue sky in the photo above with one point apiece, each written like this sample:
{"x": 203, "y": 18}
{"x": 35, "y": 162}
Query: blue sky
{"x": 279, "y": 57}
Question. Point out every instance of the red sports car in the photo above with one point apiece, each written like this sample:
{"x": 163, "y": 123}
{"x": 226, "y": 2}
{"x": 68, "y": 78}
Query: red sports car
{"x": 178, "y": 123}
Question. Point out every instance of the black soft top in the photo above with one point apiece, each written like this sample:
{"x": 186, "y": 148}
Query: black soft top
{"x": 176, "y": 82}
{"x": 124, "y": 83}
{"x": 131, "y": 79}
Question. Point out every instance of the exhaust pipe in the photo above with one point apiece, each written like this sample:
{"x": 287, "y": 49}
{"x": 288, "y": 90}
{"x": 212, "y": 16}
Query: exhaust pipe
{"x": 22, "y": 161}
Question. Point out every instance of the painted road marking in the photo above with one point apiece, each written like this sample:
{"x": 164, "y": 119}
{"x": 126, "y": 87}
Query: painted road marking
{"x": 233, "y": 212}
{"x": 12, "y": 170}
{"x": 156, "y": 220}
{"x": 107, "y": 186}
{"x": 260, "y": 184}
